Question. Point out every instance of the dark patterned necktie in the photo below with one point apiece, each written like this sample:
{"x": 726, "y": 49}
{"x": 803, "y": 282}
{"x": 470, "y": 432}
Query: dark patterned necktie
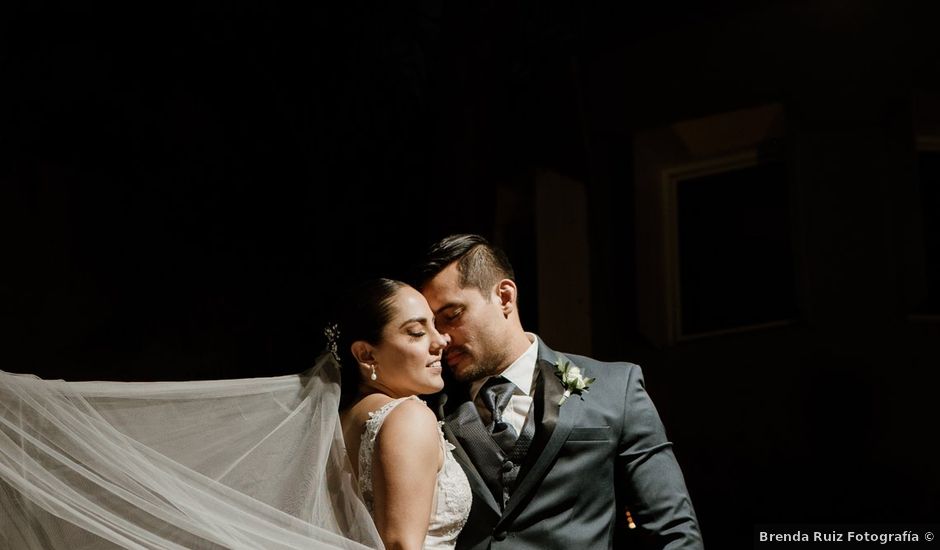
{"x": 494, "y": 395}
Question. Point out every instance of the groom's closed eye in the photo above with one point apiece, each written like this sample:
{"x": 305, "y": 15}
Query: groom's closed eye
{"x": 449, "y": 316}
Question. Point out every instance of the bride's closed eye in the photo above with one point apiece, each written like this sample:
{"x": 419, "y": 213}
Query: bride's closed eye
{"x": 416, "y": 329}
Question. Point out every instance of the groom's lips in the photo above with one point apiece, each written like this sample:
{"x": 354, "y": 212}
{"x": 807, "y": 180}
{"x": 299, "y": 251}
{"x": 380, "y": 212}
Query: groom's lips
{"x": 454, "y": 357}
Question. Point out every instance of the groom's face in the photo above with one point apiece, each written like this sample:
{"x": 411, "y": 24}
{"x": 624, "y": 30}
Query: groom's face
{"x": 474, "y": 322}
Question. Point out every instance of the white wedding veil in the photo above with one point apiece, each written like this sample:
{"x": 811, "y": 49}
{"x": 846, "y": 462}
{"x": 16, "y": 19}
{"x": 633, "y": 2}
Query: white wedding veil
{"x": 253, "y": 463}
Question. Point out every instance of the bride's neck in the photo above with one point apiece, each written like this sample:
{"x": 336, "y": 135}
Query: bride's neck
{"x": 368, "y": 389}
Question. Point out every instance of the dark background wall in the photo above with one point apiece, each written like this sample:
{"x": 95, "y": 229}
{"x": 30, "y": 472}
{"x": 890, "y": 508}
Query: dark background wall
{"x": 184, "y": 189}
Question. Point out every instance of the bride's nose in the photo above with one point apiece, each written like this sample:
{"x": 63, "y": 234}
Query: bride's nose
{"x": 441, "y": 341}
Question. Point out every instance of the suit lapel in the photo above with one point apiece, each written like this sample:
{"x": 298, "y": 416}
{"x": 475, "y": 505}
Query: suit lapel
{"x": 553, "y": 426}
{"x": 461, "y": 431}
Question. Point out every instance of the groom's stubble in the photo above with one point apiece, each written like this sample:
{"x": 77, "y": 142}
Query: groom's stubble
{"x": 481, "y": 365}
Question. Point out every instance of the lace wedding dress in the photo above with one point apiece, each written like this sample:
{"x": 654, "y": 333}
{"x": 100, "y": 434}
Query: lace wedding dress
{"x": 452, "y": 496}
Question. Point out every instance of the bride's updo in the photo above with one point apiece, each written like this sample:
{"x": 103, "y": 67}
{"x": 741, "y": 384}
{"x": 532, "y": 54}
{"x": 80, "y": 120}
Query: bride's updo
{"x": 362, "y": 315}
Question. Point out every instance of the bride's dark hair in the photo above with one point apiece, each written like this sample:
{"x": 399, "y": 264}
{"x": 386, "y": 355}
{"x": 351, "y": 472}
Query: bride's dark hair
{"x": 362, "y": 314}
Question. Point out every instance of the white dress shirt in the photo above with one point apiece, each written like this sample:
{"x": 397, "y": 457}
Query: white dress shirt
{"x": 520, "y": 373}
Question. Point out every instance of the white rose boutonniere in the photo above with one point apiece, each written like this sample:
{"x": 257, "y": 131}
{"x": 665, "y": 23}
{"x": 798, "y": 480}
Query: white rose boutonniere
{"x": 571, "y": 379}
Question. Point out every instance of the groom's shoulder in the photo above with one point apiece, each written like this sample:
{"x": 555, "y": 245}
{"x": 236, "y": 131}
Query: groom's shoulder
{"x": 547, "y": 352}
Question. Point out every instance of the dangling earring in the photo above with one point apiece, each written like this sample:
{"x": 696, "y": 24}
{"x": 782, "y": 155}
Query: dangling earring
{"x": 373, "y": 376}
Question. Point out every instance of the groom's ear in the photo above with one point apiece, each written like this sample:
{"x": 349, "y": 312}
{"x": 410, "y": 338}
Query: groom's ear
{"x": 362, "y": 351}
{"x": 507, "y": 293}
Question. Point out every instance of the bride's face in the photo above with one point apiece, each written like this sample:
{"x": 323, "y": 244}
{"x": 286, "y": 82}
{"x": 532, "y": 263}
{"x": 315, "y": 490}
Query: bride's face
{"x": 408, "y": 360}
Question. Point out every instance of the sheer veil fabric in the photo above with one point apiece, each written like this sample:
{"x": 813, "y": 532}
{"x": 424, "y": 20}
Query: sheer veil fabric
{"x": 253, "y": 463}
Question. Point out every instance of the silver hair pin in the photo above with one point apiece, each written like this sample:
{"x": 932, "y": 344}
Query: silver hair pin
{"x": 331, "y": 331}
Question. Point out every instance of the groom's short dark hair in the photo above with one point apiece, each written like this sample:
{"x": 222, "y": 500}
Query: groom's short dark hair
{"x": 479, "y": 263}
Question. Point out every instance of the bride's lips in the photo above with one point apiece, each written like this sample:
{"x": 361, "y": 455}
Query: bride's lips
{"x": 435, "y": 365}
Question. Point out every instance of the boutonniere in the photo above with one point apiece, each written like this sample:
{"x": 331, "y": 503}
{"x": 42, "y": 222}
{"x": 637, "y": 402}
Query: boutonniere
{"x": 571, "y": 379}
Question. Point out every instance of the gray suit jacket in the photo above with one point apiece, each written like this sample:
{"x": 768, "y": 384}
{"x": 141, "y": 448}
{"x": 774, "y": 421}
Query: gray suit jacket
{"x": 600, "y": 451}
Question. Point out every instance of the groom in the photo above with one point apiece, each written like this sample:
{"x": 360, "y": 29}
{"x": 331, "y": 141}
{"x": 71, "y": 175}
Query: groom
{"x": 552, "y": 463}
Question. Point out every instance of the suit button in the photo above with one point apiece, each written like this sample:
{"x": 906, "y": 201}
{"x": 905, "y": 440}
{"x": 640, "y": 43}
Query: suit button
{"x": 508, "y": 466}
{"x": 499, "y": 535}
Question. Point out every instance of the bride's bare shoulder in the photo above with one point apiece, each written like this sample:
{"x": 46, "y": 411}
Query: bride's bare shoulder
{"x": 409, "y": 430}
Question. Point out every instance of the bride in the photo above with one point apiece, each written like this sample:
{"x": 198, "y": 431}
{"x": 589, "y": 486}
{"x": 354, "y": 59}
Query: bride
{"x": 255, "y": 463}
{"x": 417, "y": 493}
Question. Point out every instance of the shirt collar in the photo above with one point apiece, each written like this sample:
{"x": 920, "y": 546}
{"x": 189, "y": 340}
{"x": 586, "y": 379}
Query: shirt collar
{"x": 520, "y": 372}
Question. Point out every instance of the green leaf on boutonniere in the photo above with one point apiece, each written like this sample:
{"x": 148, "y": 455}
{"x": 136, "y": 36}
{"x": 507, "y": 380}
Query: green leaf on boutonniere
{"x": 571, "y": 379}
